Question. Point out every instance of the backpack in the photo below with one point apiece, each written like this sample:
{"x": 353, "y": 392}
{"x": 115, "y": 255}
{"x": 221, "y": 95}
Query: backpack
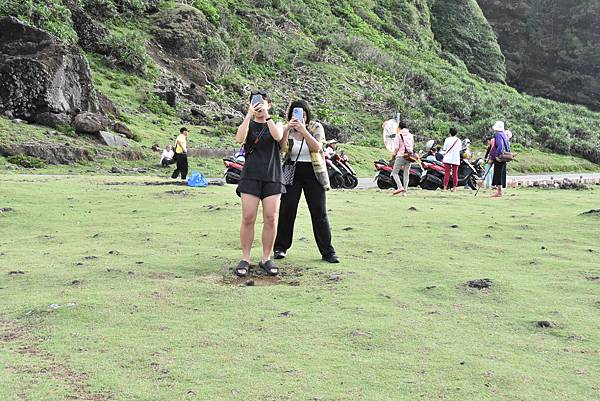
{"x": 197, "y": 180}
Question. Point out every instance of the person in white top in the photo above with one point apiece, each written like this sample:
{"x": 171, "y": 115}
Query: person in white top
{"x": 331, "y": 148}
{"x": 451, "y": 149}
{"x": 167, "y": 156}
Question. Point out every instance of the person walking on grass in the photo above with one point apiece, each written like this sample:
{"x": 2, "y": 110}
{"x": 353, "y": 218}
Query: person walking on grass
{"x": 261, "y": 181}
{"x": 501, "y": 144}
{"x": 404, "y": 143}
{"x": 451, "y": 160}
{"x": 305, "y": 138}
{"x": 181, "y": 155}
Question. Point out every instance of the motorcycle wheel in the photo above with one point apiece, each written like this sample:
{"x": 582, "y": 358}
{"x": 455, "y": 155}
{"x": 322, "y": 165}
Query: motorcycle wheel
{"x": 383, "y": 185}
{"x": 350, "y": 181}
{"x": 428, "y": 186}
{"x": 337, "y": 182}
{"x": 472, "y": 182}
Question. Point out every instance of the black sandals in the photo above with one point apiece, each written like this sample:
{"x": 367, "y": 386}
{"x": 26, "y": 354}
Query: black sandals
{"x": 242, "y": 269}
{"x": 269, "y": 267}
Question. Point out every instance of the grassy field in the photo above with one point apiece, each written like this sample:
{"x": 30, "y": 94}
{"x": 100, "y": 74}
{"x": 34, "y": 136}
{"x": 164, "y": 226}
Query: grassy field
{"x": 124, "y": 292}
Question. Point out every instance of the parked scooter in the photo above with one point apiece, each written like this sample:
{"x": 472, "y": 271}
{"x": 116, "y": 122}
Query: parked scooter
{"x": 350, "y": 180}
{"x": 384, "y": 177}
{"x": 336, "y": 176}
{"x": 468, "y": 174}
{"x": 233, "y": 169}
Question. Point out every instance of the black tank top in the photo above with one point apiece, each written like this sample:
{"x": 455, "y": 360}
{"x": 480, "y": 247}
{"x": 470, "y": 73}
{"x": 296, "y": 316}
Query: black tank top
{"x": 263, "y": 161}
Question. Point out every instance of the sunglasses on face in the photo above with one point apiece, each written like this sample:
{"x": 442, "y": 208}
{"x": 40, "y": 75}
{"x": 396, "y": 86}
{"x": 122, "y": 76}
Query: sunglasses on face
{"x": 259, "y": 92}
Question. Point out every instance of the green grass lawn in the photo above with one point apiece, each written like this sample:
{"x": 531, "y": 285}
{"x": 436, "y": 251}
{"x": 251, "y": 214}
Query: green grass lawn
{"x": 149, "y": 310}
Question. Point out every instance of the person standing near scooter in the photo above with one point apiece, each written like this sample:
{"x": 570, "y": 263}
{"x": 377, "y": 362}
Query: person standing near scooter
{"x": 501, "y": 155}
{"x": 404, "y": 146}
{"x": 451, "y": 150}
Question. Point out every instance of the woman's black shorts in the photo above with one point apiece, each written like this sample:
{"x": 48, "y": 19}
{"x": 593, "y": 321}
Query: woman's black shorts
{"x": 260, "y": 189}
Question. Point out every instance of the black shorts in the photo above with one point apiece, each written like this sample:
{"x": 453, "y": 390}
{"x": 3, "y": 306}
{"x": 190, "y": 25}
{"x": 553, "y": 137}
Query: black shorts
{"x": 260, "y": 189}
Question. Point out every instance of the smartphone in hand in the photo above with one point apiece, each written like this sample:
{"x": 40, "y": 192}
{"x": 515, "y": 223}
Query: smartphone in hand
{"x": 257, "y": 100}
{"x": 298, "y": 114}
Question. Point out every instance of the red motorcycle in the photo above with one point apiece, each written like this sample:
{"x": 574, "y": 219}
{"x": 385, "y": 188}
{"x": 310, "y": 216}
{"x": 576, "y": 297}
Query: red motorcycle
{"x": 233, "y": 170}
{"x": 384, "y": 177}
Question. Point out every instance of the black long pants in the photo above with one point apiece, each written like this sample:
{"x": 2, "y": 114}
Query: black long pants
{"x": 182, "y": 166}
{"x": 304, "y": 180}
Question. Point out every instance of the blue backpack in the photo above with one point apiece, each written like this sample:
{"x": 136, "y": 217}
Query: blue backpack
{"x": 197, "y": 180}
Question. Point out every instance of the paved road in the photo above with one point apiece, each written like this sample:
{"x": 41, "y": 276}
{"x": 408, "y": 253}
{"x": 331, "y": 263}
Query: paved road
{"x": 367, "y": 183}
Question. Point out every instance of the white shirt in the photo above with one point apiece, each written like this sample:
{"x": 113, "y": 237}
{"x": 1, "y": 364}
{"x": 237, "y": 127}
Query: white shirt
{"x": 304, "y": 153}
{"x": 452, "y": 156}
{"x": 166, "y": 154}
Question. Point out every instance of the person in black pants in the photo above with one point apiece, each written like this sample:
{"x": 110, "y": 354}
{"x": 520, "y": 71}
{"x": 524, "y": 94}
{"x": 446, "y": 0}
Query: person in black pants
{"x": 181, "y": 155}
{"x": 305, "y": 143}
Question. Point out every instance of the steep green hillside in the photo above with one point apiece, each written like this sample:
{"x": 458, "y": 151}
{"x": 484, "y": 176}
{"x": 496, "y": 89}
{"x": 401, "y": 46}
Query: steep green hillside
{"x": 463, "y": 31}
{"x": 552, "y": 47}
{"x": 357, "y": 62}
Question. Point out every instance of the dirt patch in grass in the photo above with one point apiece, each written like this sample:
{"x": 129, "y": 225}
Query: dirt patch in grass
{"x": 44, "y": 365}
{"x": 288, "y": 275}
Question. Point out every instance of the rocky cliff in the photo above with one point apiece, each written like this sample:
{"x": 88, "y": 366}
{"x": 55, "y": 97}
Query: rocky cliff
{"x": 552, "y": 47}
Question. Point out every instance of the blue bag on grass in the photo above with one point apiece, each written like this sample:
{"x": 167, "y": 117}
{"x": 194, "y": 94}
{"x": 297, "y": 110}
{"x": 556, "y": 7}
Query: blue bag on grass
{"x": 197, "y": 180}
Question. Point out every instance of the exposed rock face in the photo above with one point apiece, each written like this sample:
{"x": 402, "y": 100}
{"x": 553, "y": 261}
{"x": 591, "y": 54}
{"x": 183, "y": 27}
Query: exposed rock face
{"x": 52, "y": 153}
{"x": 40, "y": 74}
{"x": 461, "y": 28}
{"x": 112, "y": 140}
{"x": 89, "y": 123}
{"x": 552, "y": 48}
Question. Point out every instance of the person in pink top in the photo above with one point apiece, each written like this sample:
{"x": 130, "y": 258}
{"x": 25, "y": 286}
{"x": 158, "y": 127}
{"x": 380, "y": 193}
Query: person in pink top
{"x": 404, "y": 143}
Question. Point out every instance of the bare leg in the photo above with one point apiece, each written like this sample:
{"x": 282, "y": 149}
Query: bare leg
{"x": 270, "y": 212}
{"x": 249, "y": 211}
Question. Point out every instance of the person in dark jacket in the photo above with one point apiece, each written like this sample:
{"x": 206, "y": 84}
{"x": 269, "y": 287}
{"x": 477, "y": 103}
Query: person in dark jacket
{"x": 501, "y": 144}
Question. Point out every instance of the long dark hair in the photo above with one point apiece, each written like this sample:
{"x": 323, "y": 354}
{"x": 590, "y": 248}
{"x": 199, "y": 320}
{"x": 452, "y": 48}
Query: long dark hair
{"x": 303, "y": 104}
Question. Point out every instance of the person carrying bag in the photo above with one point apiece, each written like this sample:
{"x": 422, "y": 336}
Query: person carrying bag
{"x": 305, "y": 174}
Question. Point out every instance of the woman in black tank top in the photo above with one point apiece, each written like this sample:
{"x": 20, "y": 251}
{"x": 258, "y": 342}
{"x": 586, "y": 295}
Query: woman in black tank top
{"x": 261, "y": 180}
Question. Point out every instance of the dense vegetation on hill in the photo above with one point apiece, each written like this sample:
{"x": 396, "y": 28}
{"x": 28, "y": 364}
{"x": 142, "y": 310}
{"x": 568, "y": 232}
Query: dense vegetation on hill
{"x": 357, "y": 62}
{"x": 552, "y": 47}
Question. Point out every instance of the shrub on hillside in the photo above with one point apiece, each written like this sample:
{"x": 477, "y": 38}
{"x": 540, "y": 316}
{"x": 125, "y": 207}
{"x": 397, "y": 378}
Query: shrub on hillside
{"x": 49, "y": 15}
{"x": 127, "y": 51}
{"x": 217, "y": 56}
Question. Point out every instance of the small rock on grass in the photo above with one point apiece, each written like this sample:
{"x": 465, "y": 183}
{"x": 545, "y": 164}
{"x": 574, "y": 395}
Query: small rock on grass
{"x": 16, "y": 273}
{"x": 480, "y": 284}
{"x": 454, "y": 226}
{"x": 347, "y": 228}
{"x": 358, "y": 333}
{"x": 285, "y": 314}
{"x": 6, "y": 209}
{"x": 412, "y": 209}
{"x": 545, "y": 324}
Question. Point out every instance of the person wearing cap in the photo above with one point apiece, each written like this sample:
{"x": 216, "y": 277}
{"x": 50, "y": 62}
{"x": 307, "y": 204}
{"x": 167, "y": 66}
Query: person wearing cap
{"x": 181, "y": 154}
{"x": 261, "y": 181}
{"x": 331, "y": 148}
{"x": 501, "y": 144}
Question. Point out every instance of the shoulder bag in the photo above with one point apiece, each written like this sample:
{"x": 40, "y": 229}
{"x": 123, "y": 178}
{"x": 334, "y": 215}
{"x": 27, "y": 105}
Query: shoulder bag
{"x": 289, "y": 167}
{"x": 410, "y": 156}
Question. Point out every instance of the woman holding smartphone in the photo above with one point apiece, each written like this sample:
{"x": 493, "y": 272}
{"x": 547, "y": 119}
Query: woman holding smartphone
{"x": 305, "y": 140}
{"x": 261, "y": 180}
